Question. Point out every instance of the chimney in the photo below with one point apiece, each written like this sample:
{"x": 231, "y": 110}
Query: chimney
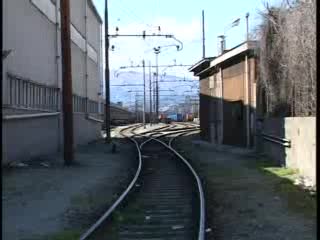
{"x": 222, "y": 43}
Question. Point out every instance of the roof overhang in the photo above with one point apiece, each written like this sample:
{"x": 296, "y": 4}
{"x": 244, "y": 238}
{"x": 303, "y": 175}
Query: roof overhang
{"x": 200, "y": 65}
{"x": 207, "y": 64}
{"x": 246, "y": 46}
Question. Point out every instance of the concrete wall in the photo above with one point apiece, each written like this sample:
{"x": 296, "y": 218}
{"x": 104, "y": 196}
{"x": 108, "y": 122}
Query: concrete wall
{"x": 31, "y": 35}
{"x": 78, "y": 71}
{"x": 23, "y": 139}
{"x": 233, "y": 82}
{"x": 77, "y": 14}
{"x": 301, "y": 154}
{"x": 85, "y": 130}
{"x": 93, "y": 30}
{"x": 29, "y": 29}
{"x": 93, "y": 79}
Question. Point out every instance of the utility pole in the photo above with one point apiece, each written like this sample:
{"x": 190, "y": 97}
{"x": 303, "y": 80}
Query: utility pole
{"x": 247, "y": 24}
{"x": 157, "y": 51}
{"x": 203, "y": 37}
{"x": 66, "y": 84}
{"x": 150, "y": 89}
{"x": 154, "y": 97}
{"x": 144, "y": 95}
{"x": 136, "y": 104}
{"x": 107, "y": 75}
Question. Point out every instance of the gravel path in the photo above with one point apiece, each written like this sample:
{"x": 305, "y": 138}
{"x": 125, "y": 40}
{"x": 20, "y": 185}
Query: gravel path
{"x": 242, "y": 202}
{"x": 39, "y": 202}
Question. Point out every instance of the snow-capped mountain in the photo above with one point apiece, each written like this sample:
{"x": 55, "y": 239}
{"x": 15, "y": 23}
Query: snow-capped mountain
{"x": 172, "y": 89}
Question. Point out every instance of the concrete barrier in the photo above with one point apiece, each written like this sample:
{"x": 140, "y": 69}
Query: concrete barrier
{"x": 301, "y": 154}
{"x": 27, "y": 136}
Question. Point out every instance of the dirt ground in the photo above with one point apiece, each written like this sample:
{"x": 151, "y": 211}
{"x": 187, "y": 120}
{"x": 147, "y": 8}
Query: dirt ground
{"x": 242, "y": 201}
{"x": 46, "y": 200}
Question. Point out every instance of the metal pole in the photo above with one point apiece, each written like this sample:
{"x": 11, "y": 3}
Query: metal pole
{"x": 203, "y": 37}
{"x": 144, "y": 95}
{"x": 247, "y": 23}
{"x": 107, "y": 75}
{"x": 157, "y": 88}
{"x": 154, "y": 98}
{"x": 136, "y": 103}
{"x": 247, "y": 102}
{"x": 66, "y": 83}
{"x": 86, "y": 59}
{"x": 150, "y": 109}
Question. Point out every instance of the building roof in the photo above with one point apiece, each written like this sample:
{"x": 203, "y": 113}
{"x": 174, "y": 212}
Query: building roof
{"x": 233, "y": 52}
{"x": 199, "y": 63}
{"x": 200, "y": 68}
{"x": 94, "y": 9}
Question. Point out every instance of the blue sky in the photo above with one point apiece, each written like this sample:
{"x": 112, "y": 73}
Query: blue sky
{"x": 181, "y": 18}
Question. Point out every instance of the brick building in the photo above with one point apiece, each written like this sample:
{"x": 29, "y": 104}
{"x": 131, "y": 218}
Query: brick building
{"x": 228, "y": 95}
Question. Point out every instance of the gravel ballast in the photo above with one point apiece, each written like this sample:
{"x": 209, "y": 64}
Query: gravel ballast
{"x": 242, "y": 201}
{"x": 43, "y": 199}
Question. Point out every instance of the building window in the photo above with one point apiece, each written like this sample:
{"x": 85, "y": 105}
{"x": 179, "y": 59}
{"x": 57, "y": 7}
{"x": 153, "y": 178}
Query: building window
{"x": 212, "y": 82}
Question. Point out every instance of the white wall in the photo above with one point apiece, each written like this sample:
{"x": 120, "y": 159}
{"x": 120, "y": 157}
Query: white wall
{"x": 301, "y": 131}
{"x": 302, "y": 154}
{"x": 77, "y": 14}
{"x": 31, "y": 35}
{"x": 29, "y": 29}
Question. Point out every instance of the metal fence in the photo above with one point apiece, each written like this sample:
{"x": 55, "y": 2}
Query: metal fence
{"x": 79, "y": 103}
{"x": 26, "y": 94}
{"x": 93, "y": 106}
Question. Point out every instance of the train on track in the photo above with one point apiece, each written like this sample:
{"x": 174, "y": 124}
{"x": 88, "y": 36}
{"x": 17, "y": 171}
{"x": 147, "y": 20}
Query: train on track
{"x": 176, "y": 117}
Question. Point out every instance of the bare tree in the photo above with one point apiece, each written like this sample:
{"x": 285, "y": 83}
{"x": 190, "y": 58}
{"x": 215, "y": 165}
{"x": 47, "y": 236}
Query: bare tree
{"x": 288, "y": 58}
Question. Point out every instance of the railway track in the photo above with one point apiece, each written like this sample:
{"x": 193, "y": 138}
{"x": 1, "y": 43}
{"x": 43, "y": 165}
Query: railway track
{"x": 166, "y": 198}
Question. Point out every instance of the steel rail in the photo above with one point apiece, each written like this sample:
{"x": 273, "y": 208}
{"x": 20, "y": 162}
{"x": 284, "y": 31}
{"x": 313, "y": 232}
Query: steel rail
{"x": 153, "y": 130}
{"x": 172, "y": 139}
{"x": 179, "y": 129}
{"x": 163, "y": 135}
{"x": 125, "y": 193}
{"x": 122, "y": 196}
{"x": 201, "y": 233}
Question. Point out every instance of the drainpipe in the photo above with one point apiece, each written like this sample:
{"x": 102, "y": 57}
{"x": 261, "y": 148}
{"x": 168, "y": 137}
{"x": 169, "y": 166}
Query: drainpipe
{"x": 221, "y": 105}
{"x": 247, "y": 100}
{"x": 58, "y": 69}
{"x": 101, "y": 73}
{"x": 86, "y": 56}
{"x": 248, "y": 84}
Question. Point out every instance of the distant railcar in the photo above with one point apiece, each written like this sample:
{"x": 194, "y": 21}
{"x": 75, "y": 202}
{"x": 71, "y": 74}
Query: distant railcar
{"x": 176, "y": 117}
{"x": 189, "y": 117}
{"x": 162, "y": 117}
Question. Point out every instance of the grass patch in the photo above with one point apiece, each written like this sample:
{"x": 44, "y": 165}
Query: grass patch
{"x": 297, "y": 198}
{"x": 132, "y": 214}
{"x": 281, "y": 171}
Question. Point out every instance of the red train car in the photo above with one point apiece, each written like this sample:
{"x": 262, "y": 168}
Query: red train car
{"x": 189, "y": 117}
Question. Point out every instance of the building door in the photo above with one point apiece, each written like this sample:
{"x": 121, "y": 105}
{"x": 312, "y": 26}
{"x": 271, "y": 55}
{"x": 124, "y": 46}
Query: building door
{"x": 234, "y": 127}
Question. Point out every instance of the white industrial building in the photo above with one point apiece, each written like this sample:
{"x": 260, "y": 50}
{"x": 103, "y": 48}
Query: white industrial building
{"x": 32, "y": 80}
